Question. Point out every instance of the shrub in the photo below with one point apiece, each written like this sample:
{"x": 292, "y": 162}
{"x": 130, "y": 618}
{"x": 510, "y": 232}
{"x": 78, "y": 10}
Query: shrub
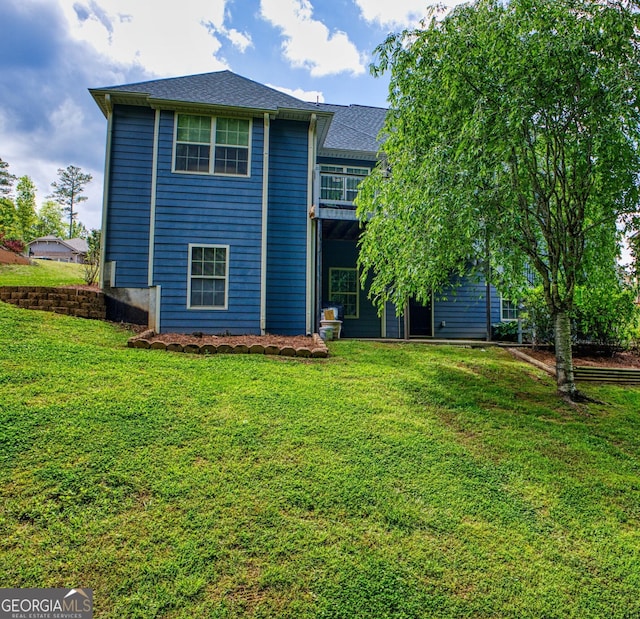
{"x": 607, "y": 318}
{"x": 91, "y": 267}
{"x": 14, "y": 245}
{"x": 505, "y": 331}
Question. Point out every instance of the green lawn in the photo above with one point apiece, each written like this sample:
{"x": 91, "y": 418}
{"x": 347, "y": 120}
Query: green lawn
{"x": 388, "y": 481}
{"x": 41, "y": 273}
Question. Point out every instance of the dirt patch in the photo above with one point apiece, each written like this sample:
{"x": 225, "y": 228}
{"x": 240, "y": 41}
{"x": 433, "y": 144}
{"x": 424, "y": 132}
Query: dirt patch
{"x": 619, "y": 360}
{"x": 10, "y": 257}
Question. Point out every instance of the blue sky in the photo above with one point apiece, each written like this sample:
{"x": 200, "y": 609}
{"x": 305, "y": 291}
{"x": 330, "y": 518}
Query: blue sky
{"x": 52, "y": 51}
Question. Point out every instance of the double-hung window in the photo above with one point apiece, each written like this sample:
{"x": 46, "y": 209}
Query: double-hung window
{"x": 210, "y": 145}
{"x": 344, "y": 289}
{"x": 509, "y": 310}
{"x": 208, "y": 284}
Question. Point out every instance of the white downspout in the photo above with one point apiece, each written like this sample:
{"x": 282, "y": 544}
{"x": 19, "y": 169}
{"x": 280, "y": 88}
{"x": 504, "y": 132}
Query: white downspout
{"x": 105, "y": 190}
{"x": 311, "y": 166}
{"x": 152, "y": 207}
{"x": 265, "y": 213}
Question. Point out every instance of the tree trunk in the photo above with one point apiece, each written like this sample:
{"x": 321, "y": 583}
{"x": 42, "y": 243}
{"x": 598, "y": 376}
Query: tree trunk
{"x": 564, "y": 358}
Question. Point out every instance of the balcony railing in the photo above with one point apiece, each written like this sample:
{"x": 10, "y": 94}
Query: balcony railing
{"x": 336, "y": 187}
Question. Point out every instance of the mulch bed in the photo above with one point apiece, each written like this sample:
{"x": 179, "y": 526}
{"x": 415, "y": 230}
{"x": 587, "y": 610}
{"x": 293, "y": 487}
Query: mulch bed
{"x": 294, "y": 346}
{"x": 619, "y": 360}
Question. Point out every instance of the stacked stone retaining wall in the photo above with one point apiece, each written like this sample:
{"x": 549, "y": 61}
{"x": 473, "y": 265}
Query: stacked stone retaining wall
{"x": 79, "y": 302}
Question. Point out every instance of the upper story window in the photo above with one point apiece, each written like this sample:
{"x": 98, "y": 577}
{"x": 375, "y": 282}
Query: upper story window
{"x": 340, "y": 183}
{"x": 210, "y": 145}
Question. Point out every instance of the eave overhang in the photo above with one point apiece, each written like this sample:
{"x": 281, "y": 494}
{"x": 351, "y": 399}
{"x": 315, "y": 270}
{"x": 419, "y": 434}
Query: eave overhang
{"x": 106, "y": 99}
{"x": 336, "y": 153}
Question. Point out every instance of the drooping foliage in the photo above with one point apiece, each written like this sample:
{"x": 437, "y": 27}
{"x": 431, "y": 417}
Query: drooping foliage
{"x": 512, "y": 139}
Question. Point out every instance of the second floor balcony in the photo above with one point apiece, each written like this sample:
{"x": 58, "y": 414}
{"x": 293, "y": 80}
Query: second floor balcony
{"x": 336, "y": 188}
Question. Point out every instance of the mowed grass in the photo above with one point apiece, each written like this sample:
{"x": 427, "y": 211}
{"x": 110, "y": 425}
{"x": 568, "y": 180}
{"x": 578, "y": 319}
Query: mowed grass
{"x": 388, "y": 481}
{"x": 41, "y": 273}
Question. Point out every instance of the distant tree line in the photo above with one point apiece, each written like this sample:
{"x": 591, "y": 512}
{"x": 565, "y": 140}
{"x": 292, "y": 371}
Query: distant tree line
{"x": 22, "y": 221}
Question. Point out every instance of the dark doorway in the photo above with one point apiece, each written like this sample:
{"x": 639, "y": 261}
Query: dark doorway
{"x": 420, "y": 319}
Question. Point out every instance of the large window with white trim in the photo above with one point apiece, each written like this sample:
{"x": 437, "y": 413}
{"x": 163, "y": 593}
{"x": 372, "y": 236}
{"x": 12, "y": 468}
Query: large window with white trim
{"x": 211, "y": 145}
{"x": 208, "y": 284}
{"x": 344, "y": 289}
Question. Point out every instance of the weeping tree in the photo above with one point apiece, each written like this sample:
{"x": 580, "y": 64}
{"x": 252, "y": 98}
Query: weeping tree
{"x": 512, "y": 139}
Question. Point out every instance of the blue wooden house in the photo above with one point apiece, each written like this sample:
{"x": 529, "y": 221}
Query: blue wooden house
{"x": 228, "y": 208}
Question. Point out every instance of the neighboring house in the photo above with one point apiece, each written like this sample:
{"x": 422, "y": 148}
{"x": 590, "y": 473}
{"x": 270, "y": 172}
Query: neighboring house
{"x": 62, "y": 250}
{"x": 228, "y": 208}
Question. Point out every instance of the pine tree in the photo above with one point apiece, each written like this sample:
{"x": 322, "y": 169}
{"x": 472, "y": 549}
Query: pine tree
{"x": 67, "y": 191}
{"x": 6, "y": 179}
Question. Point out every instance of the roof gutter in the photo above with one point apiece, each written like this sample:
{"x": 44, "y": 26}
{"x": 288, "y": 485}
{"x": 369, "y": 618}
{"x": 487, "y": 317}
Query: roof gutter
{"x": 105, "y": 99}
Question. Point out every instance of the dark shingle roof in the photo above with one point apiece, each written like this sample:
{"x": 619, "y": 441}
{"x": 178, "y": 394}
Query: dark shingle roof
{"x": 222, "y": 88}
{"x": 354, "y": 127}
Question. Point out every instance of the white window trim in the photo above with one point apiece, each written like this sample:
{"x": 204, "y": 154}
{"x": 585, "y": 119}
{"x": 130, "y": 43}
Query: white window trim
{"x": 357, "y": 294}
{"x": 347, "y": 170}
{"x": 226, "y": 278}
{"x": 212, "y": 147}
{"x": 343, "y": 173}
{"x": 502, "y": 318}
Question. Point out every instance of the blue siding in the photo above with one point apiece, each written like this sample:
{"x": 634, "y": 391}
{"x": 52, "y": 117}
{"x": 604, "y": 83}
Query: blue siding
{"x": 287, "y": 228}
{"x": 464, "y": 311}
{"x": 130, "y": 194}
{"x": 344, "y": 254}
{"x": 208, "y": 209}
{"x": 395, "y": 323}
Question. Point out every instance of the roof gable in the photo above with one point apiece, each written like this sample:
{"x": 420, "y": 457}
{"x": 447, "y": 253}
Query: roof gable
{"x": 221, "y": 88}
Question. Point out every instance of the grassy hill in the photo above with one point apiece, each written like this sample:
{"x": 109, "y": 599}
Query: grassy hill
{"x": 41, "y": 273}
{"x": 388, "y": 481}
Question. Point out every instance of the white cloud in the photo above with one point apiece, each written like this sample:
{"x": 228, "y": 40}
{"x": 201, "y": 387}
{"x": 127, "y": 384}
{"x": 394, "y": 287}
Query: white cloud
{"x": 241, "y": 40}
{"x": 308, "y": 42}
{"x": 165, "y": 38}
{"x": 314, "y": 96}
{"x": 67, "y": 118}
{"x": 399, "y": 13}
